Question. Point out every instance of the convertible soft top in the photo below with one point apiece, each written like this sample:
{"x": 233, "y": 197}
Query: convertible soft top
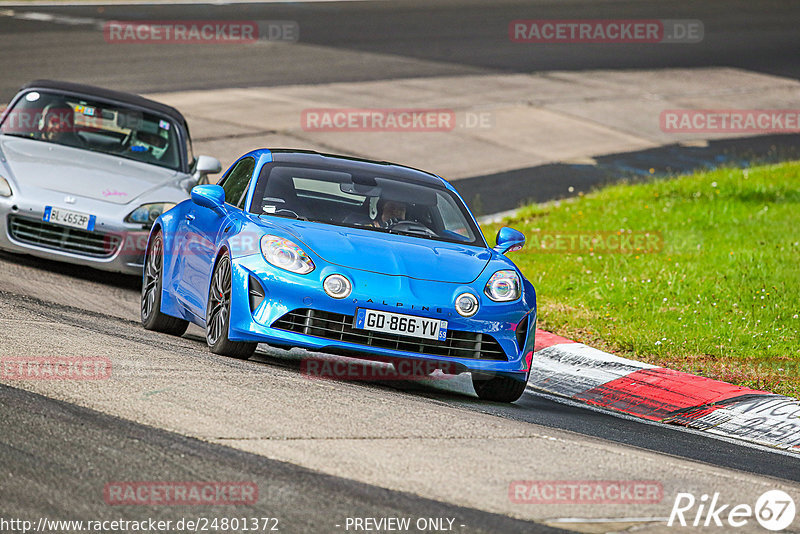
{"x": 108, "y": 94}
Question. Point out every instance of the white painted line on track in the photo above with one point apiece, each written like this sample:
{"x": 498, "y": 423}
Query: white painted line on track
{"x": 97, "y": 23}
{"x": 52, "y": 18}
{"x": 57, "y": 19}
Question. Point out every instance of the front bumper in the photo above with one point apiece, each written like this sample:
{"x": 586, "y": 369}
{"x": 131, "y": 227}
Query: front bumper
{"x": 505, "y": 343}
{"x": 112, "y": 246}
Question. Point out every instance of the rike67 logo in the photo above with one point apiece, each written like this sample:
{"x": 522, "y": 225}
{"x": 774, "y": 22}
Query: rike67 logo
{"x": 774, "y": 510}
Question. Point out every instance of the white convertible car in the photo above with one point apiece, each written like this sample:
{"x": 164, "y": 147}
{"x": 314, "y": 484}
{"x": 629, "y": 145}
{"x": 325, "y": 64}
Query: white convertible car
{"x": 84, "y": 172}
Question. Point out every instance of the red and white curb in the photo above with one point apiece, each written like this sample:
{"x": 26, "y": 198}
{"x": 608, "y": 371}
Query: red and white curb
{"x": 568, "y": 369}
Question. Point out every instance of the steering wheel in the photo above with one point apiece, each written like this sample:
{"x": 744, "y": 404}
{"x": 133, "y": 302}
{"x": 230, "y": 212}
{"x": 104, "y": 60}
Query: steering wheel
{"x": 411, "y": 227}
{"x": 126, "y": 141}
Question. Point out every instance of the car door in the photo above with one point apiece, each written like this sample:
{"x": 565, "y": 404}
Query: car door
{"x": 203, "y": 229}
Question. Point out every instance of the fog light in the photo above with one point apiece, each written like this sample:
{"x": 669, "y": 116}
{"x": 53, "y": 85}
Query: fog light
{"x": 467, "y": 304}
{"x": 337, "y": 286}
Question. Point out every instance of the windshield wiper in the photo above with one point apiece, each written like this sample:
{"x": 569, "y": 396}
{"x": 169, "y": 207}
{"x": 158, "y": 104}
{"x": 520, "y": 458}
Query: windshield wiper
{"x": 412, "y": 234}
{"x": 286, "y": 214}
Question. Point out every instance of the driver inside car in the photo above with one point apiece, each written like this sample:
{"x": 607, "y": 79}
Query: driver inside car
{"x": 392, "y": 215}
{"x": 389, "y": 213}
{"x": 57, "y": 125}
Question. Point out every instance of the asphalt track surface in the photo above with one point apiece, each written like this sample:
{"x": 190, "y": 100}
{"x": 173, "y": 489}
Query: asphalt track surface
{"x": 111, "y": 303}
{"x": 357, "y": 41}
{"x": 64, "y": 455}
{"x": 59, "y": 454}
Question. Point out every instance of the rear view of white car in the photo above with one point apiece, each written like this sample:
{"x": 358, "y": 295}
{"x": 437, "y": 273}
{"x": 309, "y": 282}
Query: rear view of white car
{"x": 84, "y": 172}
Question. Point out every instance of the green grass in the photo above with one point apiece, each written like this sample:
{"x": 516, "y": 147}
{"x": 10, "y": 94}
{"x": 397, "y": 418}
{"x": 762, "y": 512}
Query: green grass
{"x": 720, "y": 299}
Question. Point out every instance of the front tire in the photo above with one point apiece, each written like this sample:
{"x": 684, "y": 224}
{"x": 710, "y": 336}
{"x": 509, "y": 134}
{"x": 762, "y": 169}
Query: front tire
{"x": 218, "y": 314}
{"x": 152, "y": 318}
{"x": 499, "y": 388}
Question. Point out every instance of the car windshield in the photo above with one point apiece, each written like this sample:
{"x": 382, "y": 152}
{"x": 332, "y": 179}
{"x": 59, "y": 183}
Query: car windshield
{"x": 381, "y": 203}
{"x": 81, "y": 122}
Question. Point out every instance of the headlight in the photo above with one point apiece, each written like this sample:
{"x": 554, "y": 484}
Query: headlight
{"x": 337, "y": 286}
{"x": 467, "y": 304}
{"x": 5, "y": 189}
{"x": 148, "y": 213}
{"x": 286, "y": 255}
{"x": 503, "y": 286}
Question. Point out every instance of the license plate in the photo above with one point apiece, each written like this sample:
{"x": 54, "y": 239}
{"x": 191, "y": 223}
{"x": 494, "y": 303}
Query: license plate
{"x": 69, "y": 218}
{"x": 401, "y": 324}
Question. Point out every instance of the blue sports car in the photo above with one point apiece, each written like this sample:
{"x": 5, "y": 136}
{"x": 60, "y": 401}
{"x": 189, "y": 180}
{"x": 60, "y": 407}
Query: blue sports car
{"x": 342, "y": 255}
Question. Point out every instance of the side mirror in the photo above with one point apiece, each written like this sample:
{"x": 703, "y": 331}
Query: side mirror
{"x": 509, "y": 240}
{"x": 205, "y": 165}
{"x": 209, "y": 196}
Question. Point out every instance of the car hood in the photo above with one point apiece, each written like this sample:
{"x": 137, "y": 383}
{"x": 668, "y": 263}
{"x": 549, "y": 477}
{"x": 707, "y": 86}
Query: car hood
{"x": 80, "y": 172}
{"x": 391, "y": 254}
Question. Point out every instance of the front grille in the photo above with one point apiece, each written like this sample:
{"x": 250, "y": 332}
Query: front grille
{"x": 48, "y": 235}
{"x": 339, "y": 327}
